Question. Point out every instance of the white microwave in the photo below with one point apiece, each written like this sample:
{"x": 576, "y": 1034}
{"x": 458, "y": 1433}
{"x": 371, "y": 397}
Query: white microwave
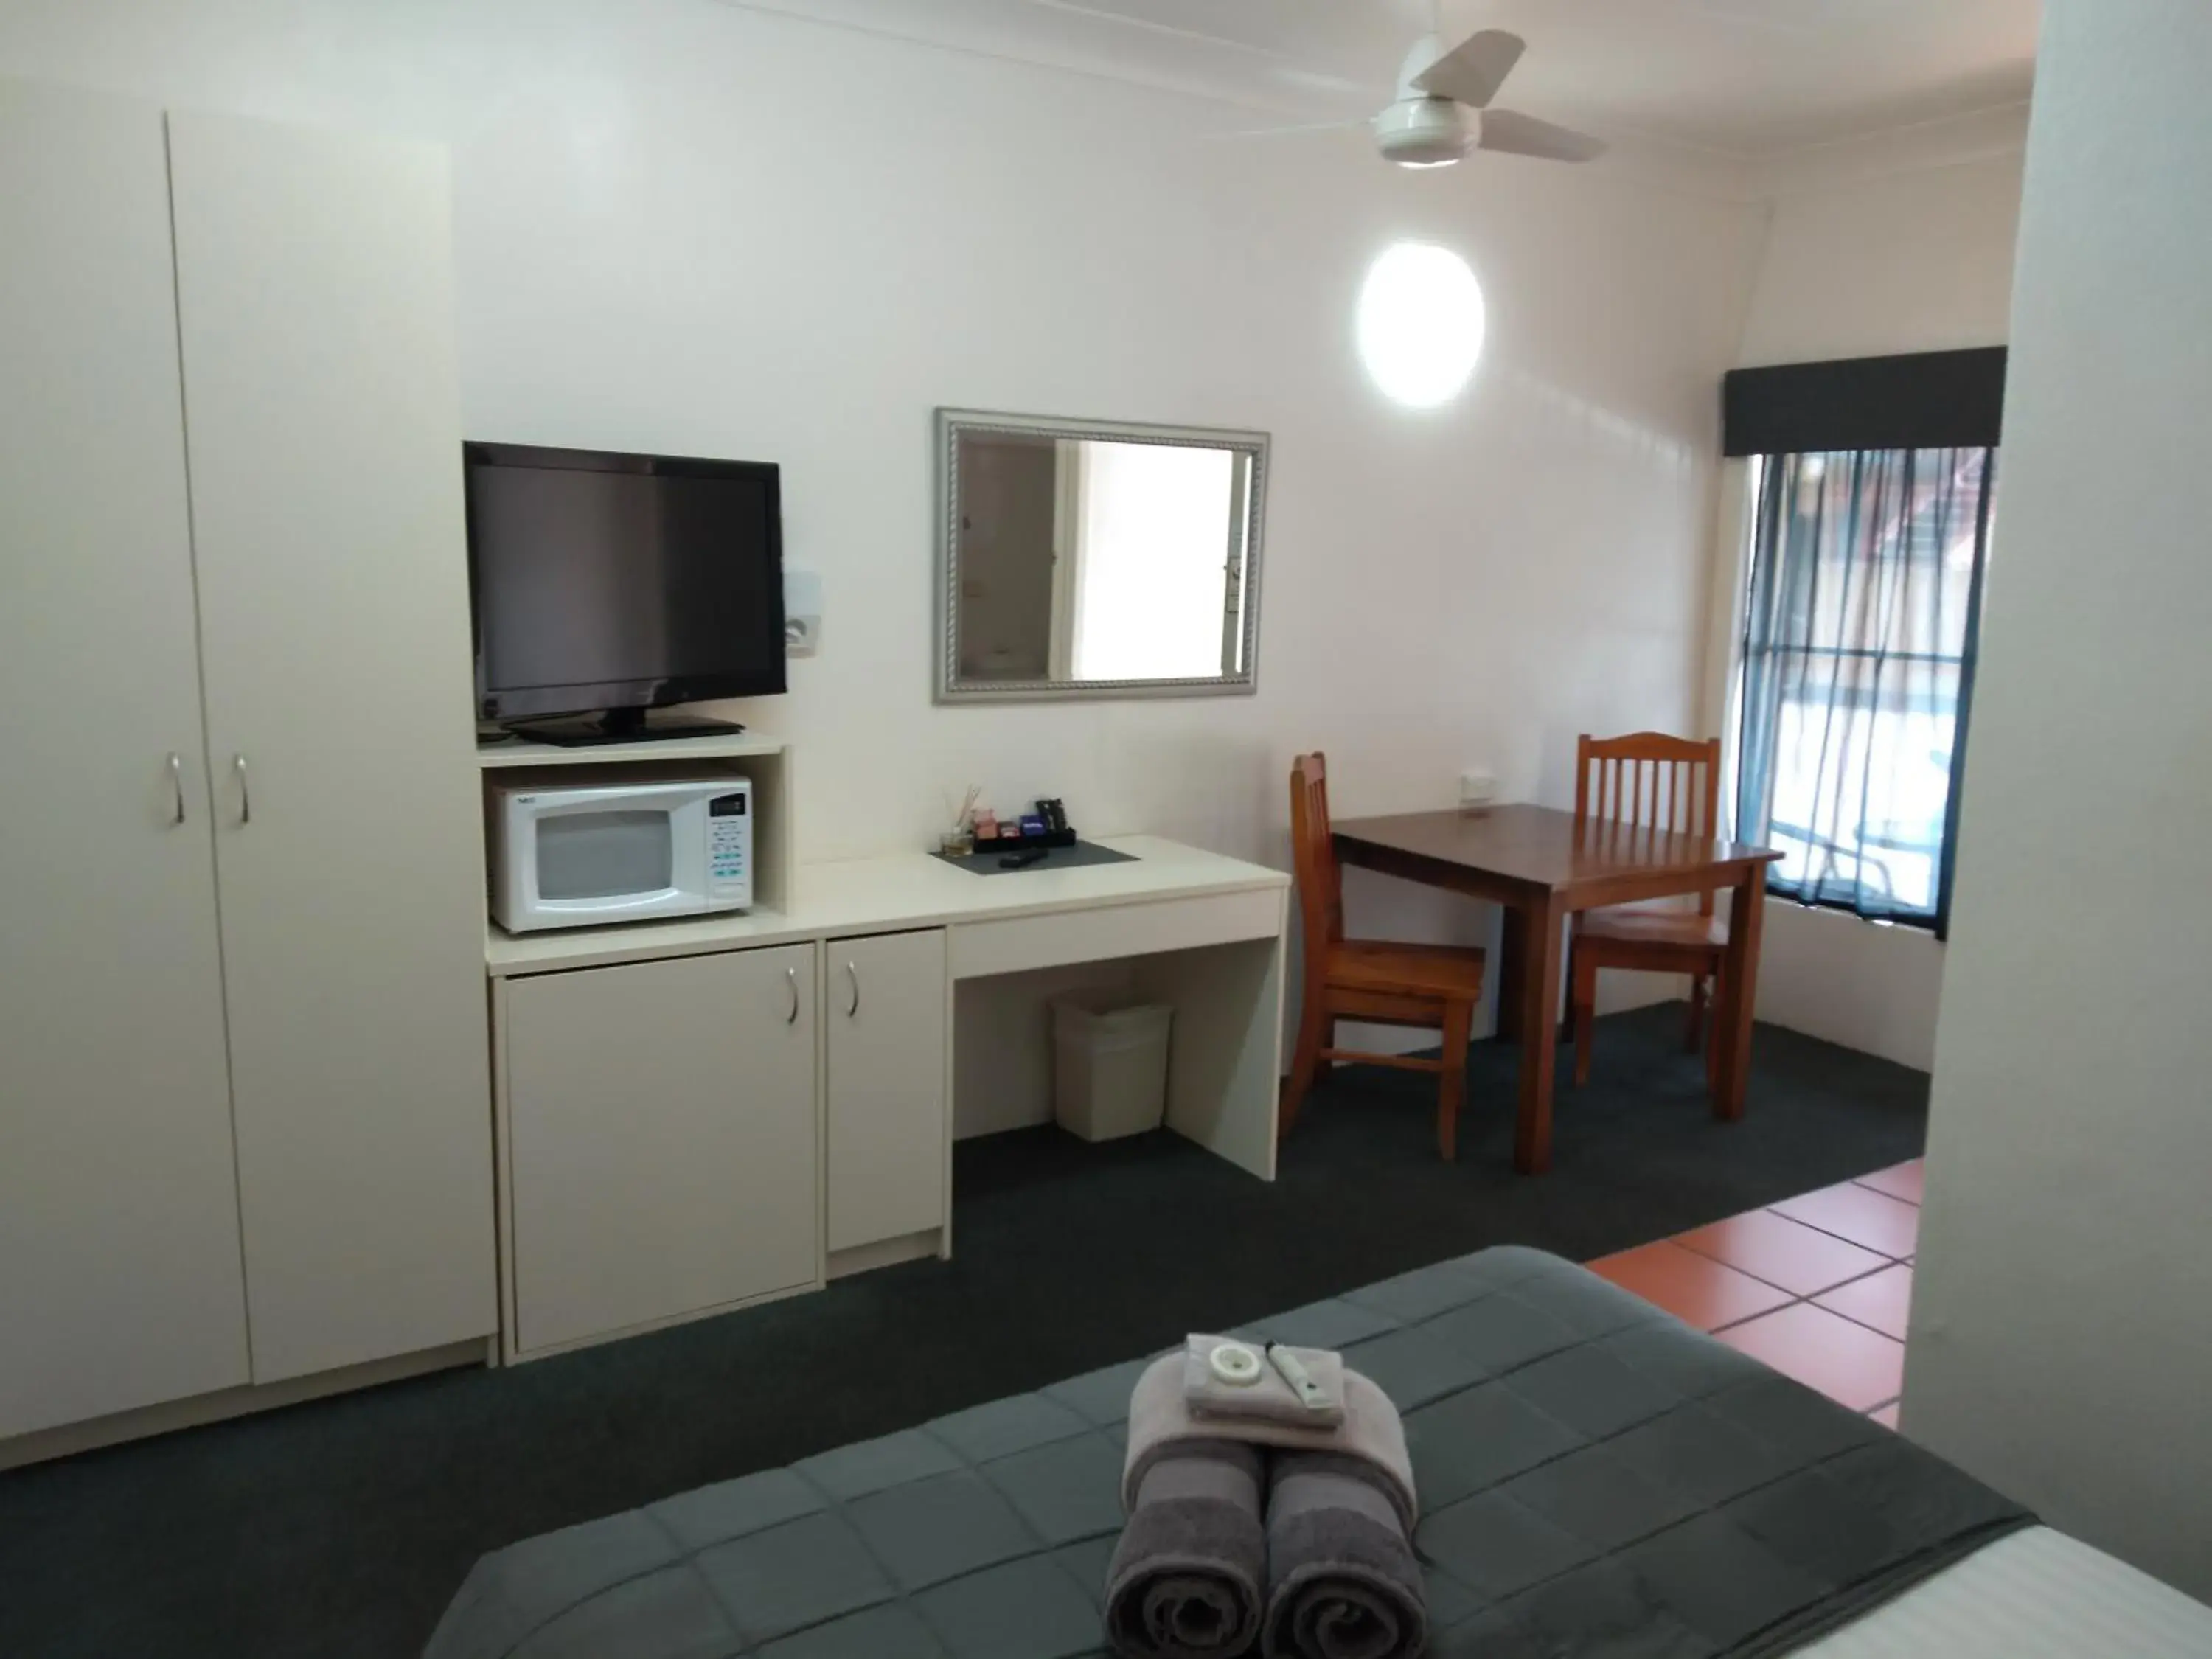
{"x": 563, "y": 857}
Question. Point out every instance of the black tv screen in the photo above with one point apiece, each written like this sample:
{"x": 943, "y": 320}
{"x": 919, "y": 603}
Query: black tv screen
{"x": 607, "y": 582}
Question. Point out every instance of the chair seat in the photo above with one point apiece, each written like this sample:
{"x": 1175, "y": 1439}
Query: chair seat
{"x": 1444, "y": 971}
{"x": 1640, "y": 924}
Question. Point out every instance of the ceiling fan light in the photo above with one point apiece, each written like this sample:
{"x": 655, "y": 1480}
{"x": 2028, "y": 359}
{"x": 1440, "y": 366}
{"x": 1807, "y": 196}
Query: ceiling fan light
{"x": 1422, "y": 132}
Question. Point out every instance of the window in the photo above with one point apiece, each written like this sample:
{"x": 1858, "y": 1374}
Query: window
{"x": 1156, "y": 527}
{"x": 1857, "y": 672}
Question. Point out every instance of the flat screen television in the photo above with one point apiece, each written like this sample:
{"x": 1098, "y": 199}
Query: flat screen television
{"x": 605, "y": 585}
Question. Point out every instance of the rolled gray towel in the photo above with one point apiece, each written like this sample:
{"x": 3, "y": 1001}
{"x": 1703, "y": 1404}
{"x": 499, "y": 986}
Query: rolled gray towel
{"x": 1187, "y": 1577}
{"x": 1342, "y": 1581}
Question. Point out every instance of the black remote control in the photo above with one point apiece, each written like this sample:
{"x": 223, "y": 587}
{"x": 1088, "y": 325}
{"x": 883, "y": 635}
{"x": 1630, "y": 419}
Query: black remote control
{"x": 1022, "y": 860}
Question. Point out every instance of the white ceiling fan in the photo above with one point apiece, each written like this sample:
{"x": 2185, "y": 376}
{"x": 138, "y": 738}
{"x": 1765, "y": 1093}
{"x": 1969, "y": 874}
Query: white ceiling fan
{"x": 1442, "y": 110}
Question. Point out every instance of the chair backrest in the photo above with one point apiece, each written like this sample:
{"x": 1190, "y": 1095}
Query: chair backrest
{"x": 1321, "y": 884}
{"x": 1648, "y": 781}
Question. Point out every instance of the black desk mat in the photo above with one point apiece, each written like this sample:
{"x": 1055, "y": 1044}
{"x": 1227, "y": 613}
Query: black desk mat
{"x": 986, "y": 863}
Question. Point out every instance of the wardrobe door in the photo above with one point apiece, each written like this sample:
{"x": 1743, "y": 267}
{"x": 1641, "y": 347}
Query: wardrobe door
{"x": 119, "y": 1281}
{"x": 315, "y": 303}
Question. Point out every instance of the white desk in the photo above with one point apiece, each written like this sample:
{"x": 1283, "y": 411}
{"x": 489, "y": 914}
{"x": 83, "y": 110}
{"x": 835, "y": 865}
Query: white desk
{"x": 902, "y": 891}
{"x": 611, "y": 1046}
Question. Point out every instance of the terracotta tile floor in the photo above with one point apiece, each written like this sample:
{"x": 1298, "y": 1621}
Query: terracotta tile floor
{"x": 1880, "y": 1301}
{"x": 1818, "y": 1286}
{"x": 1870, "y": 1219}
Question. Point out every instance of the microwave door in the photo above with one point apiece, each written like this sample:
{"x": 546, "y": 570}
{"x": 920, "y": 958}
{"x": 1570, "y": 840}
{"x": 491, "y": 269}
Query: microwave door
{"x": 616, "y": 860}
{"x": 612, "y": 854}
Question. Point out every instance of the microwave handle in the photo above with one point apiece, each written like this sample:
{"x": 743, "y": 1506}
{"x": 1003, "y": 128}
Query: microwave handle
{"x": 791, "y": 978}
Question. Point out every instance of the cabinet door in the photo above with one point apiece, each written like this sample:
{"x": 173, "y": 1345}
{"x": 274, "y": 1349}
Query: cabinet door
{"x": 119, "y": 1282}
{"x": 315, "y": 296}
{"x": 889, "y": 1131}
{"x": 660, "y": 1144}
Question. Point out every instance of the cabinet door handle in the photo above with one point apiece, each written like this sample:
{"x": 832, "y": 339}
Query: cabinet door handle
{"x": 791, "y": 978}
{"x": 244, "y": 793}
{"x": 853, "y": 1008}
{"x": 177, "y": 785}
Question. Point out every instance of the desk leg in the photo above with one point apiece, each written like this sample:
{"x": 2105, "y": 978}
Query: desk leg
{"x": 1512, "y": 957}
{"x": 1223, "y": 1066}
{"x": 1538, "y": 990}
{"x": 1740, "y": 985}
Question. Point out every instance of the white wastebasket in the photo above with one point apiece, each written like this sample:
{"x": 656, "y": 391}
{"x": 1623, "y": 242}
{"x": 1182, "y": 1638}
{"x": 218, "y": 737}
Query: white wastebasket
{"x": 1109, "y": 1064}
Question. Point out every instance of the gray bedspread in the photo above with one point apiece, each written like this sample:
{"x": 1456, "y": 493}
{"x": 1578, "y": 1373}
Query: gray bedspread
{"x": 1597, "y": 1481}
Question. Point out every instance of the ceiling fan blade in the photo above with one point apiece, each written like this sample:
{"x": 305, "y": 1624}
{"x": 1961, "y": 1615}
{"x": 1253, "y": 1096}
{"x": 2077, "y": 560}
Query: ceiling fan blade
{"x": 1524, "y": 135}
{"x": 1277, "y": 132}
{"x": 1472, "y": 71}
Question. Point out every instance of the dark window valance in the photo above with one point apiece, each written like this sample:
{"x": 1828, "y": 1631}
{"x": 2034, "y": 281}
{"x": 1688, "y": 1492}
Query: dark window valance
{"x": 1926, "y": 400}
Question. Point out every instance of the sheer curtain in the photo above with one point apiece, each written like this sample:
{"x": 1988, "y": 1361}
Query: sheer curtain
{"x": 1858, "y": 657}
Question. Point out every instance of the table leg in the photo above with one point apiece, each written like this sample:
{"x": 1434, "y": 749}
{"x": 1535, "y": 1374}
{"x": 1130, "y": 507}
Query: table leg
{"x": 1512, "y": 954}
{"x": 1740, "y": 986}
{"x": 1540, "y": 1035}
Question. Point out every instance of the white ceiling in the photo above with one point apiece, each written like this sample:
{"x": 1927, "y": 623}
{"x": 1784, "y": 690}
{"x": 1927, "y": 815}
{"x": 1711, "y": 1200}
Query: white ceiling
{"x": 1751, "y": 79}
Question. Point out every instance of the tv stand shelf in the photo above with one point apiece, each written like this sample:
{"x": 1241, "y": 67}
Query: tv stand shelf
{"x": 764, "y": 759}
{"x": 522, "y": 752}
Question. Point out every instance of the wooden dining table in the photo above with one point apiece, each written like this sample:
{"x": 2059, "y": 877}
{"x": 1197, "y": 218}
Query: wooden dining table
{"x": 1535, "y": 863}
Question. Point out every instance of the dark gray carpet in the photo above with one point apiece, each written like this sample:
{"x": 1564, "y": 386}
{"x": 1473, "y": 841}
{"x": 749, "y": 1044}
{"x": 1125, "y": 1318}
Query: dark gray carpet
{"x": 340, "y": 1527}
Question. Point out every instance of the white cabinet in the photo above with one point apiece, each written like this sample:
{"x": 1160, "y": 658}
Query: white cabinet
{"x": 659, "y": 1140}
{"x": 314, "y": 297}
{"x": 242, "y": 1060}
{"x": 120, "y": 1277}
{"x": 890, "y": 1133}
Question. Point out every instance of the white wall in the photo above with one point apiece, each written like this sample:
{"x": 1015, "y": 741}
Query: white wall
{"x": 1866, "y": 986}
{"x": 1916, "y": 261}
{"x": 2062, "y": 1321}
{"x": 1919, "y": 260}
{"x": 688, "y": 227}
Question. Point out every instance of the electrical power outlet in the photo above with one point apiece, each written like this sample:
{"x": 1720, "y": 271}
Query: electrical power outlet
{"x": 1478, "y": 788}
{"x": 802, "y": 611}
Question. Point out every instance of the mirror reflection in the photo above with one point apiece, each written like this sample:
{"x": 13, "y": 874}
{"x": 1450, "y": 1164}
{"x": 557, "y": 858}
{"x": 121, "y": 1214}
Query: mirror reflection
{"x": 1091, "y": 560}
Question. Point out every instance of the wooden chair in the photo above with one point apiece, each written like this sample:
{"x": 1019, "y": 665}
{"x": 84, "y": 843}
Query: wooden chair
{"x": 1646, "y": 783}
{"x": 1428, "y": 985}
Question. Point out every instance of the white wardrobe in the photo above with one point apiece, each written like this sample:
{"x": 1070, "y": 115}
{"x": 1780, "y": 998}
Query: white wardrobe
{"x": 244, "y": 1133}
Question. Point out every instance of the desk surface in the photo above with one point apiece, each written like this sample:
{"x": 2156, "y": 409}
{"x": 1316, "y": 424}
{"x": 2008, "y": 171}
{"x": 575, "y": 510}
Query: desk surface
{"x": 885, "y": 895}
{"x": 1536, "y": 846}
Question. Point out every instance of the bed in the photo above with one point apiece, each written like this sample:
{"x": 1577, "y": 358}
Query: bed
{"x": 1598, "y": 1482}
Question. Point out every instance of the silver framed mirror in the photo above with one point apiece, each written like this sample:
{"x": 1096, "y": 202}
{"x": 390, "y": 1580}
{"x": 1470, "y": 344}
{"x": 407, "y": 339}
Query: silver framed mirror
{"x": 1097, "y": 558}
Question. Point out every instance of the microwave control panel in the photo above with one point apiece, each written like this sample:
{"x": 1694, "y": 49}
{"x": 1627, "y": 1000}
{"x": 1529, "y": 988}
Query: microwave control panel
{"x": 730, "y": 849}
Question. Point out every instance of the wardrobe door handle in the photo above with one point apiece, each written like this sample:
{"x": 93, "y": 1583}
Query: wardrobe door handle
{"x": 177, "y": 785}
{"x": 791, "y": 977}
{"x": 853, "y": 1008}
{"x": 244, "y": 792}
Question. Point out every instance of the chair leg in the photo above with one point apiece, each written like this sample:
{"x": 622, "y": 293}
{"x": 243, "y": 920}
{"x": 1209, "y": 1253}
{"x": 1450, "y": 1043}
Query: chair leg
{"x": 1452, "y": 1084}
{"x": 1713, "y": 1042}
{"x": 1583, "y": 996}
{"x": 1693, "y": 1035}
{"x": 1305, "y": 1058}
